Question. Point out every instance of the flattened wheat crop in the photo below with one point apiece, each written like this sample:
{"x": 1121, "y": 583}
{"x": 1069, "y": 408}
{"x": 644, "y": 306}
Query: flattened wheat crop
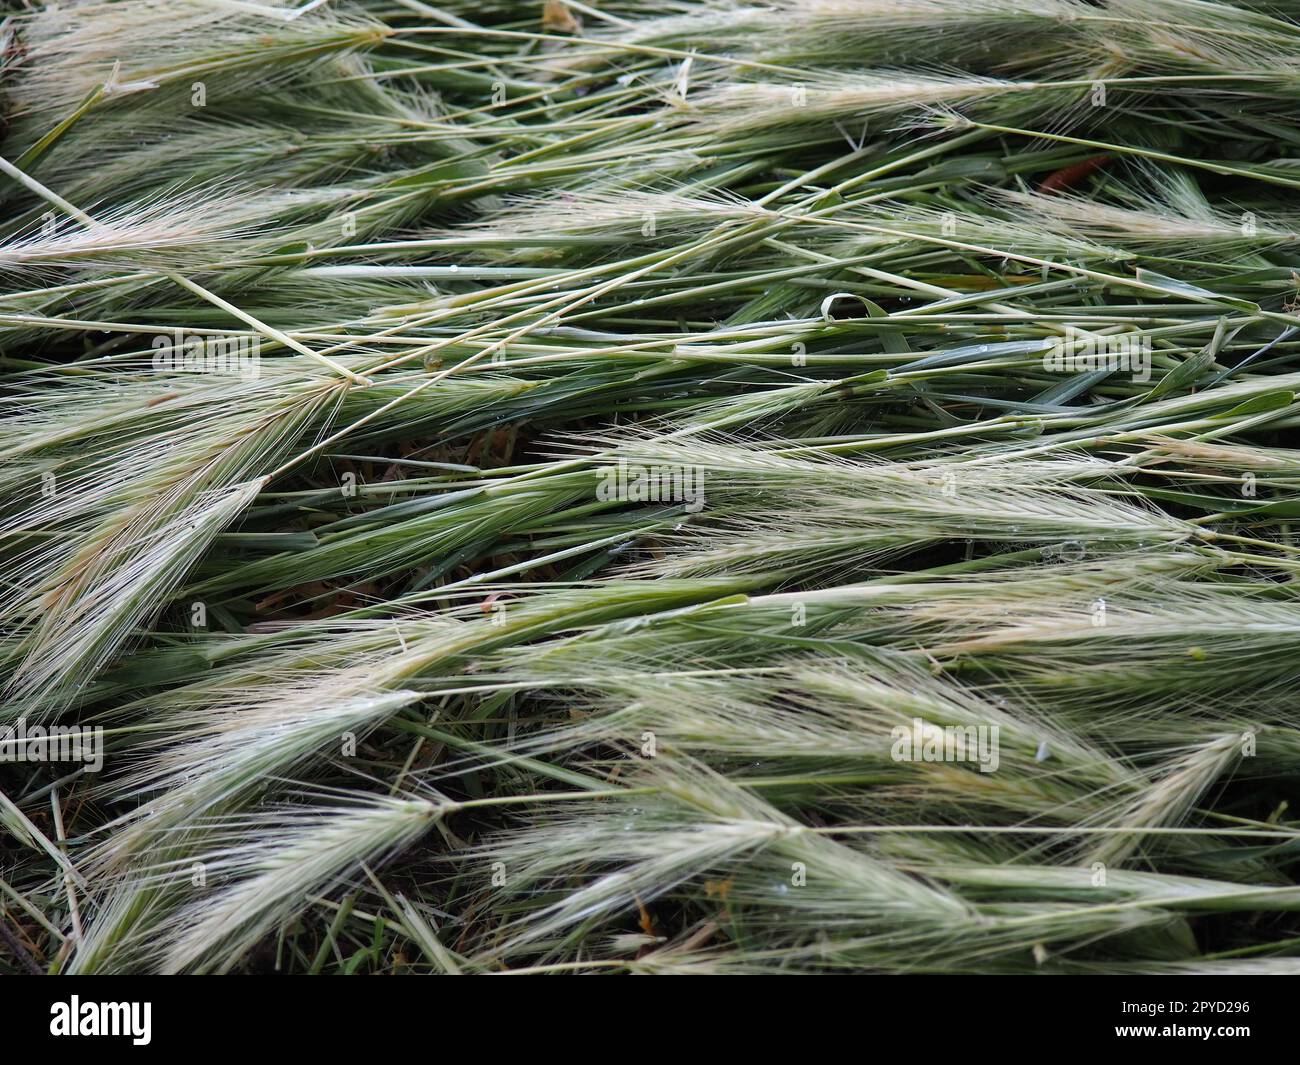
{"x": 689, "y": 487}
